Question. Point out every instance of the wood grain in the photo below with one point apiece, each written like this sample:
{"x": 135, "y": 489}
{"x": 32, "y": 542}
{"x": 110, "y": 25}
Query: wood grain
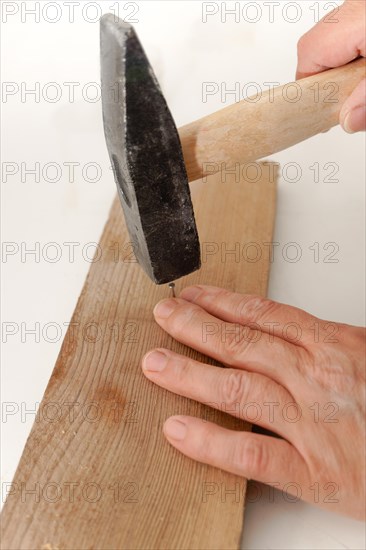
{"x": 268, "y": 122}
{"x": 102, "y": 474}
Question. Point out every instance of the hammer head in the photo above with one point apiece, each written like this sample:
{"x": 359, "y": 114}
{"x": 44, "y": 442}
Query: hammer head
{"x": 146, "y": 157}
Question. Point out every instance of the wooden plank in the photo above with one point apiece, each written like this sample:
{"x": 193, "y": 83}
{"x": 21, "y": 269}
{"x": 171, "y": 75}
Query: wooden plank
{"x": 102, "y": 473}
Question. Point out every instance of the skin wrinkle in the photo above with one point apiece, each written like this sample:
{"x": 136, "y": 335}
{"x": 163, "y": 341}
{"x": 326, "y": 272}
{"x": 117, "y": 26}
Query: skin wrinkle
{"x": 319, "y": 388}
{"x": 211, "y": 300}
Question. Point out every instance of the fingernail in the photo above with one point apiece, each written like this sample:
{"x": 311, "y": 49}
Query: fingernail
{"x": 155, "y": 361}
{"x": 165, "y": 308}
{"x": 355, "y": 120}
{"x": 191, "y": 293}
{"x": 175, "y": 429}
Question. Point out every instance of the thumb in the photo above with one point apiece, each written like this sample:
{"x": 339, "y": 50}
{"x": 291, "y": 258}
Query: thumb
{"x": 353, "y": 113}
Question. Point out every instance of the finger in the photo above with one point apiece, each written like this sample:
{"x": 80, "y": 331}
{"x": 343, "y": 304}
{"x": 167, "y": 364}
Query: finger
{"x": 267, "y": 459}
{"x": 353, "y": 113}
{"x": 230, "y": 344}
{"x": 277, "y": 320}
{"x": 239, "y": 393}
{"x": 337, "y": 39}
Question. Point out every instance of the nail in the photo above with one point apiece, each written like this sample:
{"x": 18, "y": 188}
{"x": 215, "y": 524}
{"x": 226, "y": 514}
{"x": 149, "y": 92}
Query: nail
{"x": 355, "y": 120}
{"x": 175, "y": 429}
{"x": 165, "y": 308}
{"x": 154, "y": 361}
{"x": 191, "y": 293}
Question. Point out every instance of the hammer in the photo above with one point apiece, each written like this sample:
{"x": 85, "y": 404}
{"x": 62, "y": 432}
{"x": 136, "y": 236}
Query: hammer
{"x": 153, "y": 163}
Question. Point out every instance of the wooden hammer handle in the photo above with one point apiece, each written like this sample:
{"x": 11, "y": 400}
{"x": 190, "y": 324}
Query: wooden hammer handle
{"x": 270, "y": 122}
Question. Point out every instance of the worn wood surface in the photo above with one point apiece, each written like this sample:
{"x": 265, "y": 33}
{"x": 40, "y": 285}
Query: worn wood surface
{"x": 102, "y": 474}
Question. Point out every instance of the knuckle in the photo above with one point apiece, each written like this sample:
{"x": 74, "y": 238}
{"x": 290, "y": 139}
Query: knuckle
{"x": 223, "y": 297}
{"x": 205, "y": 446}
{"x": 255, "y": 308}
{"x": 184, "y": 372}
{"x": 181, "y": 318}
{"x": 302, "y": 43}
{"x": 233, "y": 387}
{"x": 240, "y": 310}
{"x": 252, "y": 456}
{"x": 223, "y": 294}
{"x": 232, "y": 344}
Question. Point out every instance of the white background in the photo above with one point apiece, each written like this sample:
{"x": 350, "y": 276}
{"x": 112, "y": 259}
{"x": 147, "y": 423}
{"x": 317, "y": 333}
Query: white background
{"x": 185, "y": 53}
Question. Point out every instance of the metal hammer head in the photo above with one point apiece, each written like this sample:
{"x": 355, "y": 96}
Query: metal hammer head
{"x": 146, "y": 157}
